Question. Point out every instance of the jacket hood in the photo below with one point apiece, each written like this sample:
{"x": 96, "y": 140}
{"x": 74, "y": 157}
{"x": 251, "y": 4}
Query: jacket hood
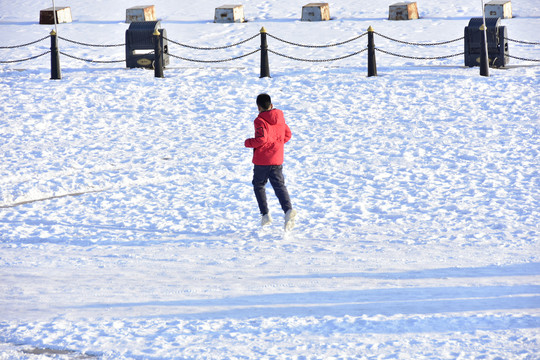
{"x": 272, "y": 117}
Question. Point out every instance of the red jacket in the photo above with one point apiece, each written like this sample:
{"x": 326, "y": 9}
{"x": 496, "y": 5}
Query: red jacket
{"x": 271, "y": 133}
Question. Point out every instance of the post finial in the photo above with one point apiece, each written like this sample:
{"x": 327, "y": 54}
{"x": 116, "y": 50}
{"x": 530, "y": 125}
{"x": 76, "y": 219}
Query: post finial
{"x": 263, "y": 30}
{"x": 370, "y": 29}
{"x": 156, "y": 32}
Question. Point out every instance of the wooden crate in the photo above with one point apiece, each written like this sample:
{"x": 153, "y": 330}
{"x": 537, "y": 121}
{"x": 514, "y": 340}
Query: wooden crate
{"x": 403, "y": 11}
{"x": 141, "y": 13}
{"x": 63, "y": 15}
{"x": 316, "y": 12}
{"x": 499, "y": 8}
{"x": 229, "y": 14}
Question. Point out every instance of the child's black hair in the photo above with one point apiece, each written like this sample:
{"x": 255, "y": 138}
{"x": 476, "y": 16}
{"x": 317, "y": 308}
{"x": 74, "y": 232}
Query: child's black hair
{"x": 264, "y": 101}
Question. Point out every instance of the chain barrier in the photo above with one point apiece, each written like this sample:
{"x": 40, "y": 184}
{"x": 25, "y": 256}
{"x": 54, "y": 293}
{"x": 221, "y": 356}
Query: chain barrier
{"x": 86, "y": 44}
{"x": 316, "y": 60}
{"x": 358, "y": 52}
{"x": 21, "y": 60}
{"x": 92, "y": 61}
{"x": 23, "y": 45}
{"x": 523, "y": 42}
{"x": 215, "y": 61}
{"x": 520, "y": 58}
{"x": 419, "y": 44}
{"x": 317, "y": 46}
{"x": 91, "y": 45}
{"x": 212, "y": 48}
{"x": 419, "y": 57}
{"x": 269, "y": 50}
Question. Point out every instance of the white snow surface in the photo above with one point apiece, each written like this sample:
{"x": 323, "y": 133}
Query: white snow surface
{"x": 128, "y": 224}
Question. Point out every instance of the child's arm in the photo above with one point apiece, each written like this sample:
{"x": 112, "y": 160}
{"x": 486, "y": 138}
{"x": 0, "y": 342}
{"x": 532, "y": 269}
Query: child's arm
{"x": 260, "y": 136}
{"x": 288, "y": 133}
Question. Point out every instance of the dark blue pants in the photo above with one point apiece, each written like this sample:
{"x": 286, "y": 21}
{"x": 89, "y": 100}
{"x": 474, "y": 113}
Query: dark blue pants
{"x": 261, "y": 175}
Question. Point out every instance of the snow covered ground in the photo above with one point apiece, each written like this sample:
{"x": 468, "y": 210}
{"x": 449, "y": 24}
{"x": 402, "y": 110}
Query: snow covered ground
{"x": 128, "y": 226}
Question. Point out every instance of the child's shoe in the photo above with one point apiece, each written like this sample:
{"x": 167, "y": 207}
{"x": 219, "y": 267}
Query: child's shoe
{"x": 266, "y": 220}
{"x": 290, "y": 215}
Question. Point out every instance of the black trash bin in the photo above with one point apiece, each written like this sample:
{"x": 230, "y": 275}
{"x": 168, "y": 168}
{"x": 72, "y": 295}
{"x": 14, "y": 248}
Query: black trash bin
{"x": 496, "y": 39}
{"x": 140, "y": 44}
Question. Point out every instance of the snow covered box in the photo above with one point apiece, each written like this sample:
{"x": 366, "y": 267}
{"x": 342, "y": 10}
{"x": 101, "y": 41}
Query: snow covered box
{"x": 499, "y": 8}
{"x": 140, "y": 14}
{"x": 63, "y": 15}
{"x": 229, "y": 14}
{"x": 316, "y": 12}
{"x": 403, "y": 11}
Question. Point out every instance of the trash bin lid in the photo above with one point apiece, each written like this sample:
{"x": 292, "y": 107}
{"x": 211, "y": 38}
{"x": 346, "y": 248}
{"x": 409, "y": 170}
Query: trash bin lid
{"x": 490, "y": 22}
{"x": 149, "y": 26}
{"x": 139, "y": 35}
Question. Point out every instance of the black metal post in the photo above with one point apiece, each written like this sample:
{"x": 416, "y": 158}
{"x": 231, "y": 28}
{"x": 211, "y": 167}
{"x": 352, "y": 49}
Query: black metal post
{"x": 484, "y": 58}
{"x": 265, "y": 66}
{"x": 158, "y": 55}
{"x": 56, "y": 73}
{"x": 372, "y": 64}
